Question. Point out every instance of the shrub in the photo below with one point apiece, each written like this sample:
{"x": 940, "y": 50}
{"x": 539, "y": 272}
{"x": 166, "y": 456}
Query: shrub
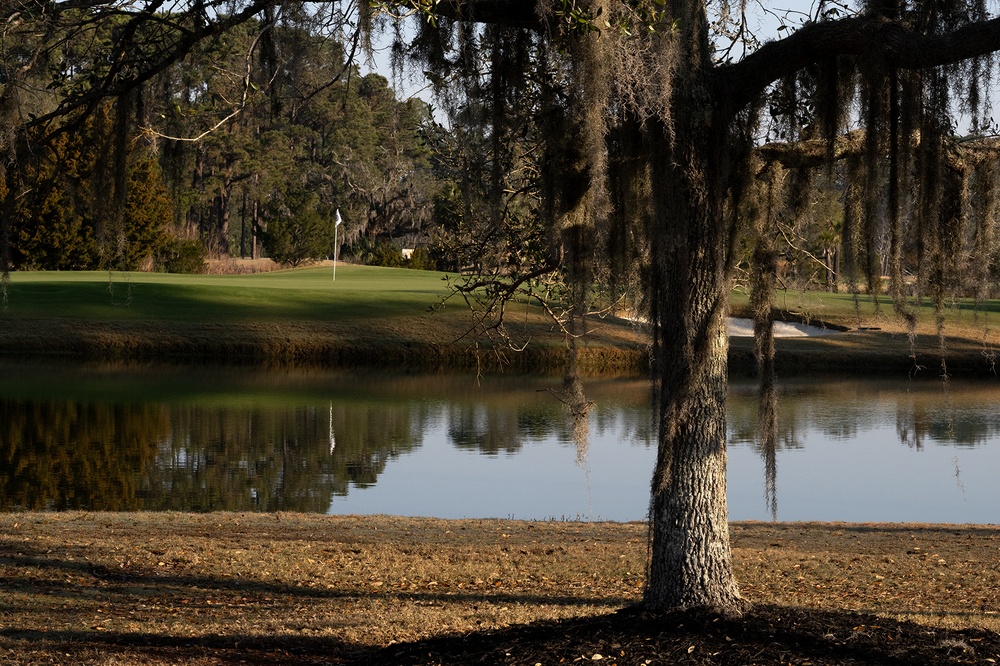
{"x": 423, "y": 260}
{"x": 388, "y": 255}
{"x": 181, "y": 256}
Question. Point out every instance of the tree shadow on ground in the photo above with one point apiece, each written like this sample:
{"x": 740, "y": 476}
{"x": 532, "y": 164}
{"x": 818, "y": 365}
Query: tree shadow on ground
{"x": 764, "y": 635}
{"x": 122, "y": 648}
{"x": 135, "y": 585}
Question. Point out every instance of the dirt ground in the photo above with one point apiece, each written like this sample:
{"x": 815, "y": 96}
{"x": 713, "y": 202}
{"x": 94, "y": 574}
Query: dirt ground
{"x": 129, "y": 588}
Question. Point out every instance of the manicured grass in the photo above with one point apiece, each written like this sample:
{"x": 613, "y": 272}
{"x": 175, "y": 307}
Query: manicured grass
{"x": 963, "y": 317}
{"x": 368, "y": 317}
{"x": 361, "y": 292}
{"x": 878, "y": 339}
{"x": 307, "y": 294}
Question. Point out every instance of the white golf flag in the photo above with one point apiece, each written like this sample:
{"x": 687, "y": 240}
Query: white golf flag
{"x": 338, "y": 217}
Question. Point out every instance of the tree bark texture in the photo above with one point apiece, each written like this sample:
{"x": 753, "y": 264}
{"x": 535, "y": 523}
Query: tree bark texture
{"x": 690, "y": 558}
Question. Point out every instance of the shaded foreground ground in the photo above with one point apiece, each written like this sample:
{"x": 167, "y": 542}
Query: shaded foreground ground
{"x": 294, "y": 589}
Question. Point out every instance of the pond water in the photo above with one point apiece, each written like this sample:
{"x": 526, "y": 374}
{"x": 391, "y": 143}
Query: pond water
{"x": 105, "y": 437}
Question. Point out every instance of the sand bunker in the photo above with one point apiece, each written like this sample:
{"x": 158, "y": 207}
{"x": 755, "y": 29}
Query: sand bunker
{"x": 743, "y": 328}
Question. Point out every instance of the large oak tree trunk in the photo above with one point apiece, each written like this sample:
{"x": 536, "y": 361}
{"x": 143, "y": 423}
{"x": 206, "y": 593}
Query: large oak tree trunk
{"x": 690, "y": 561}
{"x": 692, "y": 244}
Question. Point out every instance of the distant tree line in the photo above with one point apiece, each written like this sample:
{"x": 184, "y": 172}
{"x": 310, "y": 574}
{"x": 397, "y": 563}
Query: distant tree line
{"x": 247, "y": 148}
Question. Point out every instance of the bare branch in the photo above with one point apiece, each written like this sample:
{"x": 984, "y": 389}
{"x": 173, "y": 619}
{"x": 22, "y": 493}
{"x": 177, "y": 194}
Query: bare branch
{"x": 961, "y": 153}
{"x": 812, "y": 153}
{"x": 247, "y": 87}
{"x": 121, "y": 83}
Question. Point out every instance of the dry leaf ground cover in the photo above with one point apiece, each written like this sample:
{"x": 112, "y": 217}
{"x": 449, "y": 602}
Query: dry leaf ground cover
{"x": 288, "y": 589}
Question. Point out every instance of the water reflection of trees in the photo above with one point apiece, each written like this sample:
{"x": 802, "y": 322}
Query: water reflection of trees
{"x": 958, "y": 416}
{"x": 920, "y": 412}
{"x": 743, "y": 423}
{"x": 235, "y": 448}
{"x": 292, "y": 459}
{"x": 494, "y": 428}
{"x": 260, "y": 455}
{"x": 62, "y": 456}
{"x": 69, "y": 455}
{"x": 254, "y": 454}
{"x": 918, "y": 424}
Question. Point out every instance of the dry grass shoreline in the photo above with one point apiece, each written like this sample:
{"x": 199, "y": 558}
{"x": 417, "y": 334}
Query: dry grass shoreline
{"x": 417, "y": 345}
{"x": 146, "y": 588}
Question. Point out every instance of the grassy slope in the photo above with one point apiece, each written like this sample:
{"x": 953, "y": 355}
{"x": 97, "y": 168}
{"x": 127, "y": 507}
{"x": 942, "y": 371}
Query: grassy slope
{"x": 380, "y": 316}
{"x": 963, "y": 317}
{"x": 373, "y": 316}
{"x": 308, "y": 294}
{"x": 877, "y": 338}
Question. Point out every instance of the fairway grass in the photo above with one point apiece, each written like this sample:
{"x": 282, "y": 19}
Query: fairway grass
{"x": 368, "y": 316}
{"x": 875, "y": 337}
{"x": 305, "y": 294}
{"x": 962, "y": 317}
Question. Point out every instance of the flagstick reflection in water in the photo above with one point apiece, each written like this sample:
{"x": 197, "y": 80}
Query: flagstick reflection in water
{"x": 333, "y": 442}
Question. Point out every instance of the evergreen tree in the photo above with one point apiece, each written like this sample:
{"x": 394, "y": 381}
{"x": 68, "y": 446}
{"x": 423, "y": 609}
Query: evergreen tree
{"x": 64, "y": 219}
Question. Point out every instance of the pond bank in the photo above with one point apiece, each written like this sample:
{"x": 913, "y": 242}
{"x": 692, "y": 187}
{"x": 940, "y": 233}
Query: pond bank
{"x": 159, "y": 588}
{"x": 405, "y": 319}
{"x": 421, "y": 344}
{"x": 426, "y": 344}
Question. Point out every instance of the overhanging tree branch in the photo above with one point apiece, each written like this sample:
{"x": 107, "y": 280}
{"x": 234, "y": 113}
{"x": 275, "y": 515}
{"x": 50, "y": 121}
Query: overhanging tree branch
{"x": 873, "y": 37}
{"x": 961, "y": 154}
{"x": 126, "y": 79}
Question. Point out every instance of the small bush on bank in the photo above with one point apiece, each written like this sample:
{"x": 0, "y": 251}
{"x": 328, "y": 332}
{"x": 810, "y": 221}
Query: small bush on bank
{"x": 181, "y": 256}
{"x": 422, "y": 260}
{"x": 238, "y": 266}
{"x": 386, "y": 254}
